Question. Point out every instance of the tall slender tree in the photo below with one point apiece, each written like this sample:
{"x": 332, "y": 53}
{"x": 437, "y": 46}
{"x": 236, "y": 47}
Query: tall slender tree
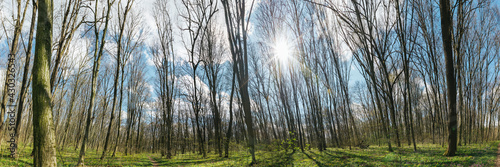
{"x": 24, "y": 83}
{"x": 98, "y": 53}
{"x": 122, "y": 18}
{"x": 43, "y": 133}
{"x": 451, "y": 84}
{"x": 18, "y": 18}
{"x": 237, "y": 20}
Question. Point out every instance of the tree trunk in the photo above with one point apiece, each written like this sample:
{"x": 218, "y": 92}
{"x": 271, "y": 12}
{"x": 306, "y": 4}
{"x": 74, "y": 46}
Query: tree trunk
{"x": 43, "y": 134}
{"x": 117, "y": 73}
{"x": 95, "y": 74}
{"x": 230, "y": 127}
{"x": 11, "y": 58}
{"x": 119, "y": 112}
{"x": 447, "y": 29}
{"x": 24, "y": 84}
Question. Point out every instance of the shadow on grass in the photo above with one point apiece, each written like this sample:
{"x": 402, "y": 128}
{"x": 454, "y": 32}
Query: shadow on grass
{"x": 431, "y": 156}
{"x": 315, "y": 161}
{"x": 25, "y": 162}
{"x": 185, "y": 161}
{"x": 263, "y": 159}
{"x": 281, "y": 159}
{"x": 466, "y": 156}
{"x": 427, "y": 155}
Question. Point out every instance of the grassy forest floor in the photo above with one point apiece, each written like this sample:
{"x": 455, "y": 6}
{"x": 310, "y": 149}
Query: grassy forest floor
{"x": 427, "y": 155}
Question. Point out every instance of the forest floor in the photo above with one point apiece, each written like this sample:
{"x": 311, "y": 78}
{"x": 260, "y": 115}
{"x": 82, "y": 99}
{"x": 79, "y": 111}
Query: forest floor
{"x": 427, "y": 155}
{"x": 497, "y": 162}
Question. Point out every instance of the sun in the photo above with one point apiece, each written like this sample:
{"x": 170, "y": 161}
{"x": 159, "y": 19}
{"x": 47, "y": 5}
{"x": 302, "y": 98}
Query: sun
{"x": 282, "y": 50}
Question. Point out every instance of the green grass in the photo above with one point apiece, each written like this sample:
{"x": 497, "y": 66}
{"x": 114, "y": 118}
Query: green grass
{"x": 68, "y": 156}
{"x": 427, "y": 155}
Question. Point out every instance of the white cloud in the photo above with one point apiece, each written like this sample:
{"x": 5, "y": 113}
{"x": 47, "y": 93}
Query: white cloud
{"x": 185, "y": 83}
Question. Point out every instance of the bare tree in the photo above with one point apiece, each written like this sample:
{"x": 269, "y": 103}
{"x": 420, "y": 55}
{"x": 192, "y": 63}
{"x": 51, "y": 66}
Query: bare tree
{"x": 198, "y": 15}
{"x": 121, "y": 22}
{"x": 212, "y": 60}
{"x": 135, "y": 95}
{"x": 18, "y": 17}
{"x": 131, "y": 41}
{"x": 70, "y": 23}
{"x": 164, "y": 59}
{"x": 98, "y": 53}
{"x": 237, "y": 19}
{"x": 43, "y": 134}
{"x": 25, "y": 82}
{"x": 447, "y": 31}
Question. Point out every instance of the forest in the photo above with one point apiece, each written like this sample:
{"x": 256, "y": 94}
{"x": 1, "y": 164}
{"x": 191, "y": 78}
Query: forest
{"x": 249, "y": 83}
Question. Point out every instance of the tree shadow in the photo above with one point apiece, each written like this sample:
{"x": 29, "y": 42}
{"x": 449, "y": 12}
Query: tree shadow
{"x": 185, "y": 161}
{"x": 282, "y": 159}
{"x": 377, "y": 156}
{"x": 315, "y": 161}
{"x": 25, "y": 162}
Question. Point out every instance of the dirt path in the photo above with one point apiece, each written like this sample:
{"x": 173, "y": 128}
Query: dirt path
{"x": 155, "y": 164}
{"x": 497, "y": 163}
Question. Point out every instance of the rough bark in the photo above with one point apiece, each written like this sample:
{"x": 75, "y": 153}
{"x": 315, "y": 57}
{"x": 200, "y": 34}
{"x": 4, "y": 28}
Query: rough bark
{"x": 447, "y": 30}
{"x": 43, "y": 134}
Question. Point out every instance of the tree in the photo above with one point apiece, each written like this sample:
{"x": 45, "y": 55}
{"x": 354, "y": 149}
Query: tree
{"x": 230, "y": 126}
{"x": 368, "y": 39}
{"x": 198, "y": 16}
{"x": 121, "y": 22}
{"x": 131, "y": 39}
{"x": 237, "y": 19}
{"x": 70, "y": 24}
{"x": 164, "y": 60}
{"x": 136, "y": 94}
{"x": 451, "y": 85}
{"x": 24, "y": 83}
{"x": 78, "y": 80}
{"x": 406, "y": 34}
{"x": 98, "y": 53}
{"x": 43, "y": 134}
{"x": 13, "y": 51}
{"x": 212, "y": 59}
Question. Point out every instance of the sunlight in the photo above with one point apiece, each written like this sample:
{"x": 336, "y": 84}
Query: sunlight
{"x": 282, "y": 50}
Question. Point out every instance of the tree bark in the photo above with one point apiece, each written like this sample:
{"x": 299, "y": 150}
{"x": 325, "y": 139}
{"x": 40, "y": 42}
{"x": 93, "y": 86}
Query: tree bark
{"x": 447, "y": 30}
{"x": 43, "y": 134}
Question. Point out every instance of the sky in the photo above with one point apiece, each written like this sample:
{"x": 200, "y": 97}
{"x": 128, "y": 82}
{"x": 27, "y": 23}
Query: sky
{"x": 145, "y": 8}
{"x": 147, "y": 5}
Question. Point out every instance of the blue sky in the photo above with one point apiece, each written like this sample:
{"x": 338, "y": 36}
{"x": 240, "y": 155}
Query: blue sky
{"x": 145, "y": 8}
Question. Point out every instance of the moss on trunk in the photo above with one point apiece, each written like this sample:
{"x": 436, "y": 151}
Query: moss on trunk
{"x": 43, "y": 128}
